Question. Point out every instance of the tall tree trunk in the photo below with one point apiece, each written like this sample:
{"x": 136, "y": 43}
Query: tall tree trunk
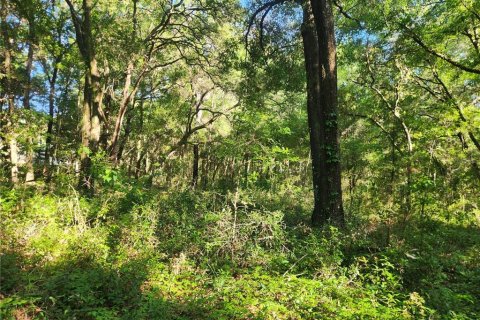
{"x": 320, "y": 65}
{"x": 28, "y": 65}
{"x": 408, "y": 195}
{"x": 85, "y": 182}
{"x": 92, "y": 114}
{"x": 8, "y": 92}
{"x": 30, "y": 176}
{"x": 51, "y": 109}
{"x": 324, "y": 22}
{"x": 315, "y": 115}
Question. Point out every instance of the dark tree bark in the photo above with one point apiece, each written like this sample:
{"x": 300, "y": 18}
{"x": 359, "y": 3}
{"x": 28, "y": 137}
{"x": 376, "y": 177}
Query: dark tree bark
{"x": 195, "y": 165}
{"x": 322, "y": 105}
{"x": 315, "y": 115}
{"x": 51, "y": 108}
{"x": 29, "y": 64}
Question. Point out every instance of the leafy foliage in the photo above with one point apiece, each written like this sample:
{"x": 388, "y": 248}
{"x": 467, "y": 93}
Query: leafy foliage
{"x": 200, "y": 198}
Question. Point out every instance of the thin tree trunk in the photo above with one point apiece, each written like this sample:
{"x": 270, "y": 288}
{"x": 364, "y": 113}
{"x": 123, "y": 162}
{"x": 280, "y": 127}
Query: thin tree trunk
{"x": 123, "y": 141}
{"x": 246, "y": 168}
{"x": 13, "y": 161}
{"x": 30, "y": 176}
{"x": 393, "y": 158}
{"x": 51, "y": 110}
{"x": 215, "y": 171}
{"x": 408, "y": 137}
{"x": 195, "y": 166}
{"x": 205, "y": 171}
{"x": 138, "y": 163}
{"x": 85, "y": 181}
{"x": 28, "y": 66}
{"x": 7, "y": 83}
{"x": 408, "y": 196}
{"x": 114, "y": 144}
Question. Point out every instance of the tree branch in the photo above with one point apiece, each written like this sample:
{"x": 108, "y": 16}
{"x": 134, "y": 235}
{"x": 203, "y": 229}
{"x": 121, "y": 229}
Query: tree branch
{"x": 422, "y": 44}
{"x": 266, "y": 6}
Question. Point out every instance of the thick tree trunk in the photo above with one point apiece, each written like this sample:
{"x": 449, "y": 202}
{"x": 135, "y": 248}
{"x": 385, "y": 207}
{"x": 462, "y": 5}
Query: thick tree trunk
{"x": 315, "y": 124}
{"x": 320, "y": 64}
{"x": 324, "y": 22}
{"x": 91, "y": 126}
{"x": 92, "y": 114}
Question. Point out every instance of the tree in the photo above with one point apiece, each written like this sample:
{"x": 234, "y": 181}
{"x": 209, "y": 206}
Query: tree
{"x": 92, "y": 111}
{"x": 332, "y": 209}
{"x": 322, "y": 104}
{"x": 7, "y": 92}
{"x": 413, "y": 82}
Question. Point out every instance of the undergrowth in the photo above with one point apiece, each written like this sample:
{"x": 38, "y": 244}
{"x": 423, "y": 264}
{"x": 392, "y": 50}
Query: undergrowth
{"x": 132, "y": 254}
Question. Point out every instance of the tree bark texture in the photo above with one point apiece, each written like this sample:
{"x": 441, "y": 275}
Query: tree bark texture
{"x": 92, "y": 114}
{"x": 322, "y": 106}
{"x": 8, "y": 93}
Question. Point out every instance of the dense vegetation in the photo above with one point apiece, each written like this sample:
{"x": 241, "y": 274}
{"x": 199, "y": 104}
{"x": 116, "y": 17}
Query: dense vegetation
{"x": 156, "y": 159}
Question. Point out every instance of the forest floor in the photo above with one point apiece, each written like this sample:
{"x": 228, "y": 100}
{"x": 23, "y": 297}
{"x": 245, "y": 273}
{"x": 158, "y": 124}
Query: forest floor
{"x": 132, "y": 254}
